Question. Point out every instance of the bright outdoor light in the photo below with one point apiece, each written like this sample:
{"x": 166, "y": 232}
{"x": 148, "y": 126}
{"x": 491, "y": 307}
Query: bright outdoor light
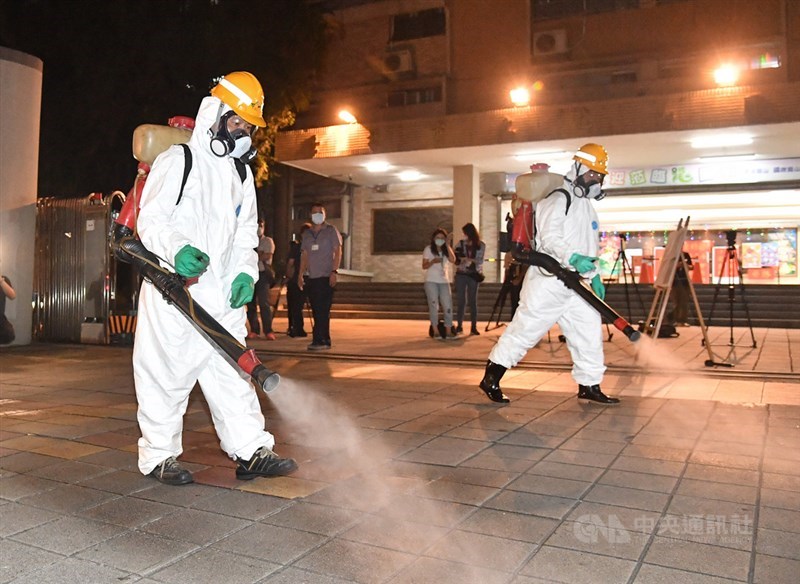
{"x": 520, "y": 96}
{"x": 410, "y": 175}
{"x": 536, "y": 156}
{"x": 722, "y": 140}
{"x": 726, "y": 75}
{"x": 347, "y": 117}
{"x": 728, "y": 157}
{"x": 377, "y": 166}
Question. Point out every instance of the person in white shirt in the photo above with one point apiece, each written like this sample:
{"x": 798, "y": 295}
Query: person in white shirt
{"x": 436, "y": 260}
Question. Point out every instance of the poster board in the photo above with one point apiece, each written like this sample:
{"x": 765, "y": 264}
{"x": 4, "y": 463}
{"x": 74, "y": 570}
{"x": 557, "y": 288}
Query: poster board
{"x": 669, "y": 261}
{"x": 404, "y": 230}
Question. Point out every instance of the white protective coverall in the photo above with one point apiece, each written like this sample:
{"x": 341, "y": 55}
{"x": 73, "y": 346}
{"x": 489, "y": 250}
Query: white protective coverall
{"x": 545, "y": 300}
{"x": 217, "y": 215}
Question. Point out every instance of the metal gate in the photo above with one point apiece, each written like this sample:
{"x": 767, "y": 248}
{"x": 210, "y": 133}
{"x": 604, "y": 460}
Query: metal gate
{"x": 81, "y": 293}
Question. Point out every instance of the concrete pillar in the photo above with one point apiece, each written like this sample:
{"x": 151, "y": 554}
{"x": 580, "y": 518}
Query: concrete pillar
{"x": 20, "y": 109}
{"x": 283, "y": 220}
{"x": 466, "y": 197}
{"x": 347, "y": 226}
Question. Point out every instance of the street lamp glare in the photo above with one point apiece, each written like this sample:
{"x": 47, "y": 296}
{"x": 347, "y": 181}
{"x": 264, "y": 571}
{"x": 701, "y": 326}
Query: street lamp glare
{"x": 520, "y": 96}
{"x": 726, "y": 75}
{"x": 347, "y": 117}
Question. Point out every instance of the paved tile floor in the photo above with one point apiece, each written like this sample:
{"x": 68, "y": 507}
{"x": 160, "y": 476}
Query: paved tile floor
{"x": 408, "y": 474}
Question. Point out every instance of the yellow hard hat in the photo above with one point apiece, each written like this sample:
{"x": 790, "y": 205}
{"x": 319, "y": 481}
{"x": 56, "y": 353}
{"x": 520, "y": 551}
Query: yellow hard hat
{"x": 594, "y": 157}
{"x": 242, "y": 92}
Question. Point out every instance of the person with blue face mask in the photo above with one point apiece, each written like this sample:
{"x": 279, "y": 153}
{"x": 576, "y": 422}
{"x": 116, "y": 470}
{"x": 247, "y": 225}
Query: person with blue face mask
{"x": 437, "y": 259}
{"x": 320, "y": 256}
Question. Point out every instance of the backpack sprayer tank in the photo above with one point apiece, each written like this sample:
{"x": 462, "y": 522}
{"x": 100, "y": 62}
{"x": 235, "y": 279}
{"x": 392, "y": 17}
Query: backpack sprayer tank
{"x": 149, "y": 141}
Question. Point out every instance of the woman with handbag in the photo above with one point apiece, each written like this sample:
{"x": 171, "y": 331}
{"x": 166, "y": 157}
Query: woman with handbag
{"x": 469, "y": 273}
{"x": 436, "y": 258}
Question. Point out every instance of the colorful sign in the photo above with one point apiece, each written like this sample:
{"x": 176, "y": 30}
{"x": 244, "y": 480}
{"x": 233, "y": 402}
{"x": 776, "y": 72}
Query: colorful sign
{"x": 741, "y": 171}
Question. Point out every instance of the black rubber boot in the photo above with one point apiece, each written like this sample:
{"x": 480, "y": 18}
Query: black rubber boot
{"x": 490, "y": 384}
{"x": 264, "y": 463}
{"x": 170, "y": 472}
{"x": 593, "y": 392}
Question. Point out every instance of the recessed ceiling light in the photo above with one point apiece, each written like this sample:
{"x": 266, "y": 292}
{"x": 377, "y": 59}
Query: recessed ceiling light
{"x": 410, "y": 175}
{"x": 377, "y": 166}
{"x": 533, "y": 156}
{"x": 728, "y": 157}
{"x": 720, "y": 140}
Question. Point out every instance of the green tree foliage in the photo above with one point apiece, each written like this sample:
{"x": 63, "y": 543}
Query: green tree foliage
{"x": 110, "y": 66}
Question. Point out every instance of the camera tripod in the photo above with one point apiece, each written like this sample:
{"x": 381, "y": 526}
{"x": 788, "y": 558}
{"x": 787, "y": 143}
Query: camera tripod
{"x": 500, "y": 302}
{"x": 625, "y": 268}
{"x": 734, "y": 264}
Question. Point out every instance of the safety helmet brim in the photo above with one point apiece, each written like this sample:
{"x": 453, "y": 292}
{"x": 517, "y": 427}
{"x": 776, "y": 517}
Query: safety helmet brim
{"x": 242, "y": 92}
{"x": 594, "y": 157}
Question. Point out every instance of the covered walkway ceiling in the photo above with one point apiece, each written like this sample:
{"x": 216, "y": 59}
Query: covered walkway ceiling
{"x": 770, "y": 141}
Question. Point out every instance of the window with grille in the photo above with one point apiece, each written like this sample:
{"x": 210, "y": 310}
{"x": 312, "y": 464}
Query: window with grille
{"x": 417, "y": 25}
{"x": 416, "y": 96}
{"x": 550, "y": 9}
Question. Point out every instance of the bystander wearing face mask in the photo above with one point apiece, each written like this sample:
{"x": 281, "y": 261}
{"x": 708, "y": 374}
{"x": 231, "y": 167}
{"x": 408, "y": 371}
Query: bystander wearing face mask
{"x": 318, "y": 218}
{"x": 439, "y": 242}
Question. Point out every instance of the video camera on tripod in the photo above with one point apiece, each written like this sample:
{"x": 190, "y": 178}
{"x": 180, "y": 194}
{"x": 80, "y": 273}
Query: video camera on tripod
{"x": 732, "y": 267}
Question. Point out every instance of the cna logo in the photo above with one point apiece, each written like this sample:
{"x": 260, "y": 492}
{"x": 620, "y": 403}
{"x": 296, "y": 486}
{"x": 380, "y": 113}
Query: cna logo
{"x": 592, "y": 528}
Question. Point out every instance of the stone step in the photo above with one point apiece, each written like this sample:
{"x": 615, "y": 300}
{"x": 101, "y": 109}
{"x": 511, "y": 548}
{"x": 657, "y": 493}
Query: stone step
{"x": 768, "y": 305}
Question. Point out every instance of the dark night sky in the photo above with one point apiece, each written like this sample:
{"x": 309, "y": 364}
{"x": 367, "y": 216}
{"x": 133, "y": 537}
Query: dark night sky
{"x": 110, "y": 65}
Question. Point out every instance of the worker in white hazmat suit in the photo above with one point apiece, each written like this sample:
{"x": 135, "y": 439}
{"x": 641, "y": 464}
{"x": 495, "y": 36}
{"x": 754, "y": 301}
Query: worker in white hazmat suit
{"x": 209, "y": 232}
{"x": 566, "y": 228}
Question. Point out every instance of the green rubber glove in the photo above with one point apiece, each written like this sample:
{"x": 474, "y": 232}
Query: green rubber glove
{"x": 242, "y": 290}
{"x": 599, "y": 289}
{"x": 582, "y": 263}
{"x": 190, "y": 262}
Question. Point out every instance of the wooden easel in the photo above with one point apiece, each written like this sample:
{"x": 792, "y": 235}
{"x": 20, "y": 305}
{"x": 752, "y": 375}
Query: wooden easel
{"x": 663, "y": 287}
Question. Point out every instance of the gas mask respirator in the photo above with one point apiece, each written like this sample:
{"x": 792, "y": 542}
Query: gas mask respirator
{"x": 237, "y": 143}
{"x": 589, "y": 185}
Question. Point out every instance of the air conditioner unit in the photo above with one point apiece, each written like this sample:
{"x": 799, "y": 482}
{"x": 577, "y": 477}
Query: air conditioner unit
{"x": 399, "y": 61}
{"x": 550, "y": 42}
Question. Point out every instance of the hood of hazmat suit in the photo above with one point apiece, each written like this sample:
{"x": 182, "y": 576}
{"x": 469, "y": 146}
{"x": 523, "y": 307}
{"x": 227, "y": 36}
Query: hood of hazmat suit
{"x": 216, "y": 213}
{"x": 562, "y": 229}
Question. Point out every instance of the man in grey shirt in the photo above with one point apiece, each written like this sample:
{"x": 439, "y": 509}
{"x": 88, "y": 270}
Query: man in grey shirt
{"x": 321, "y": 253}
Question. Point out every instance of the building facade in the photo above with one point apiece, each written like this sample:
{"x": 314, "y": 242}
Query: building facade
{"x": 695, "y": 100}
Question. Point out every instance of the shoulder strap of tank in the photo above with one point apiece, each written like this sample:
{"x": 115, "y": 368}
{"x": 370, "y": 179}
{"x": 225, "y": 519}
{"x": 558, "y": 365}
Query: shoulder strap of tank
{"x": 566, "y": 194}
{"x": 241, "y": 168}
{"x": 569, "y": 202}
{"x": 187, "y": 167}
